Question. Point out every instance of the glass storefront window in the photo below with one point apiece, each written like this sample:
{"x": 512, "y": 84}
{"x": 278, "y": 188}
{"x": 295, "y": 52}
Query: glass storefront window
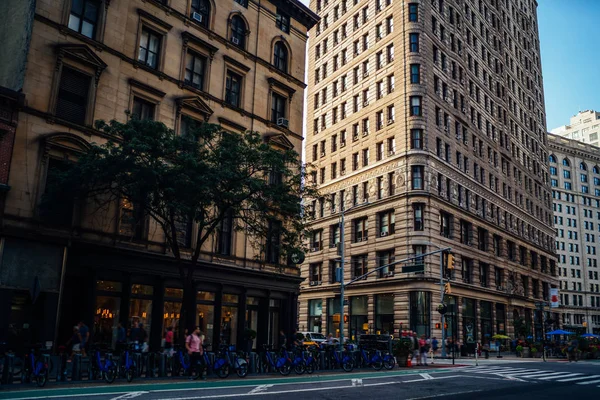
{"x": 315, "y": 311}
{"x": 206, "y": 296}
{"x": 469, "y": 323}
{"x": 140, "y": 315}
{"x": 500, "y": 319}
{"x": 230, "y": 298}
{"x": 252, "y": 316}
{"x": 171, "y": 315}
{"x": 137, "y": 289}
{"x": 106, "y": 320}
{"x": 333, "y": 316}
{"x": 384, "y": 313}
{"x": 420, "y": 312}
{"x": 229, "y": 319}
{"x": 359, "y": 320}
{"x": 109, "y": 286}
{"x": 174, "y": 293}
{"x": 205, "y": 316}
{"x": 252, "y": 301}
{"x": 486, "y": 322}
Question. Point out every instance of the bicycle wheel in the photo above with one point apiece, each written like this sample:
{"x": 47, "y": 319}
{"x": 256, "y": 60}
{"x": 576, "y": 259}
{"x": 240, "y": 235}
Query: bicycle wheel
{"x": 376, "y": 363}
{"x": 389, "y": 362}
{"x": 310, "y": 367}
{"x": 300, "y": 368}
{"x": 110, "y": 374}
{"x": 242, "y": 369}
{"x": 286, "y": 368}
{"x": 42, "y": 377}
{"x": 223, "y": 371}
{"x": 129, "y": 373}
{"x": 347, "y": 364}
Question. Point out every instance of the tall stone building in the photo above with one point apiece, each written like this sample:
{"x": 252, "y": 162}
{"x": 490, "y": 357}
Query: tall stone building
{"x": 584, "y": 127}
{"x": 239, "y": 63}
{"x": 575, "y": 181}
{"x": 429, "y": 114}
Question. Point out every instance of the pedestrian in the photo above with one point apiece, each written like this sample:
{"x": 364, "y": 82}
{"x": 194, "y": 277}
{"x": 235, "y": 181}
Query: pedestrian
{"x": 74, "y": 342}
{"x": 193, "y": 344}
{"x": 84, "y": 337}
{"x": 423, "y": 349}
{"x": 434, "y": 345}
{"x": 282, "y": 339}
{"x": 121, "y": 338}
{"x": 169, "y": 340}
{"x": 330, "y": 340}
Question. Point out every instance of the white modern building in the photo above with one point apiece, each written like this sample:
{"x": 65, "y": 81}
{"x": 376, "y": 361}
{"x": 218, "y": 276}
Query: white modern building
{"x": 584, "y": 127}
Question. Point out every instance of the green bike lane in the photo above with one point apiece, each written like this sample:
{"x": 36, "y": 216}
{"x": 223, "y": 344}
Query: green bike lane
{"x": 81, "y": 390}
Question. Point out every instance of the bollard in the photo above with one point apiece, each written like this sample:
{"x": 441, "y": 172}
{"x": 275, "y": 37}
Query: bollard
{"x": 76, "y": 374}
{"x": 322, "y": 360}
{"x": 162, "y": 365}
{"x": 252, "y": 362}
{"x": 61, "y": 374}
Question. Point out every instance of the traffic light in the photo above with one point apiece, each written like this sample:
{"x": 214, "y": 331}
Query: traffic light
{"x": 438, "y": 325}
{"x": 447, "y": 288}
{"x": 450, "y": 261}
{"x": 445, "y": 325}
{"x": 345, "y": 318}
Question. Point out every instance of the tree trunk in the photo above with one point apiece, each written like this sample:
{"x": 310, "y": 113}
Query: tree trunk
{"x": 188, "y": 309}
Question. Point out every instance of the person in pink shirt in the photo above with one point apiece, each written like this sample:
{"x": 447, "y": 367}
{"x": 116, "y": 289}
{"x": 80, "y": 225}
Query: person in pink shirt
{"x": 193, "y": 344}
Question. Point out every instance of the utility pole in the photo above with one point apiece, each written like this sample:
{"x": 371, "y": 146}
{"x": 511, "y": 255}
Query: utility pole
{"x": 442, "y": 288}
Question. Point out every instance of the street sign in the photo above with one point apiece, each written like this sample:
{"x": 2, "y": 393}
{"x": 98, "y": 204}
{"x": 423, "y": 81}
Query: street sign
{"x": 413, "y": 268}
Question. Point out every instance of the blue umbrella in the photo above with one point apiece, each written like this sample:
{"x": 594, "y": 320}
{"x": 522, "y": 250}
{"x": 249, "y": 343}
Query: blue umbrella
{"x": 559, "y": 332}
{"x": 590, "y": 335}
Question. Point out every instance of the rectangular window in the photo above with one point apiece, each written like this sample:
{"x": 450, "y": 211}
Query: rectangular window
{"x": 273, "y": 242}
{"x": 277, "y": 108}
{"x": 387, "y": 223}
{"x": 84, "y": 17}
{"x": 143, "y": 109}
{"x": 416, "y": 138}
{"x": 283, "y": 21}
{"x": 418, "y": 221}
{"x": 417, "y": 177}
{"x": 72, "y": 99}
{"x": 149, "y": 48}
{"x": 415, "y": 73}
{"x": 415, "y": 106}
{"x": 233, "y": 89}
{"x": 194, "y": 70}
{"x": 413, "y": 12}
{"x": 361, "y": 229}
{"x": 224, "y": 239}
{"x": 414, "y": 42}
{"x": 359, "y": 265}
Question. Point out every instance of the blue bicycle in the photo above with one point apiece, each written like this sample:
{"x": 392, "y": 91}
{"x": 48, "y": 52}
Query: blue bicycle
{"x": 183, "y": 366}
{"x": 223, "y": 364}
{"x": 312, "y": 360}
{"x": 106, "y": 369}
{"x": 298, "y": 362}
{"x": 345, "y": 360}
{"x": 370, "y": 359}
{"x": 127, "y": 365}
{"x": 283, "y": 365}
{"x": 35, "y": 369}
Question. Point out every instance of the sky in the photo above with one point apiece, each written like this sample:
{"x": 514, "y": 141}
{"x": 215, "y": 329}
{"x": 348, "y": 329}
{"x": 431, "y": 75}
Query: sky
{"x": 569, "y": 38}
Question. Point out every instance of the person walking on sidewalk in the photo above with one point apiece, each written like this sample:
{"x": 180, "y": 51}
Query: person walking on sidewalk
{"x": 423, "y": 349}
{"x": 193, "y": 344}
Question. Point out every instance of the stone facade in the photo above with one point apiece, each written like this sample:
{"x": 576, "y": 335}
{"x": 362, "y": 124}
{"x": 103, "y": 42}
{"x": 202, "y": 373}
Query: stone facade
{"x": 575, "y": 181}
{"x": 430, "y": 115}
{"x": 216, "y": 61}
{"x": 584, "y": 127}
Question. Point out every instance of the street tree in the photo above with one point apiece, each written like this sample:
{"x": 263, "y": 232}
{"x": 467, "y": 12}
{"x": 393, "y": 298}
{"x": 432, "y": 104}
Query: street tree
{"x": 192, "y": 184}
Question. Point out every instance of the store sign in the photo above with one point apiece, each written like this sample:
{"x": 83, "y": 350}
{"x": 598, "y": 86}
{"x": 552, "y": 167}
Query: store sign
{"x": 554, "y": 299}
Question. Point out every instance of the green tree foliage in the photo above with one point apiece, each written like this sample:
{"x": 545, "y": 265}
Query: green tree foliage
{"x": 205, "y": 176}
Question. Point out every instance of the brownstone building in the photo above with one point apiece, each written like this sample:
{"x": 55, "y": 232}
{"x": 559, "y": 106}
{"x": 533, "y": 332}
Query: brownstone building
{"x": 239, "y": 63}
{"x": 429, "y": 114}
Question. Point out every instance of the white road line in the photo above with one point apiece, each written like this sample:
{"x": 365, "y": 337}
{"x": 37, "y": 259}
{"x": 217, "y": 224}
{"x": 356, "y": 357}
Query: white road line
{"x": 260, "y": 389}
{"x": 588, "y": 383}
{"x": 533, "y": 375}
{"x": 357, "y": 382}
{"x": 544, "y": 378}
{"x": 519, "y": 371}
{"x": 444, "y": 395}
{"x": 426, "y": 376}
{"x": 579, "y": 378}
{"x": 130, "y": 395}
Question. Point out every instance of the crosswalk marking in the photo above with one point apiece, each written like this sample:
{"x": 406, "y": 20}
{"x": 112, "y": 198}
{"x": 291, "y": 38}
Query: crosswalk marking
{"x": 554, "y": 377}
{"x": 547, "y": 375}
{"x": 589, "y": 382}
{"x": 516, "y": 371}
{"x": 579, "y": 378}
{"x": 534, "y": 374}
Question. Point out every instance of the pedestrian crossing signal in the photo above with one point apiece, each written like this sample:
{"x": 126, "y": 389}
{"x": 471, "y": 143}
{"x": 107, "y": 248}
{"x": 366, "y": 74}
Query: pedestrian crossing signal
{"x": 345, "y": 318}
{"x": 438, "y": 326}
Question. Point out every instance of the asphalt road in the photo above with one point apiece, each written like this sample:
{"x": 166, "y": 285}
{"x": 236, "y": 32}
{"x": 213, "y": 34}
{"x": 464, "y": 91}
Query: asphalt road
{"x": 490, "y": 380}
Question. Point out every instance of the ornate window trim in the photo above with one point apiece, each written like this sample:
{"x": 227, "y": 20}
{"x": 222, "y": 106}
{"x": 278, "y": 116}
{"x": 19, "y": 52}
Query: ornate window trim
{"x": 145, "y": 92}
{"x": 289, "y": 64}
{"x": 100, "y": 24}
{"x": 192, "y": 106}
{"x": 158, "y": 26}
{"x": 192, "y": 43}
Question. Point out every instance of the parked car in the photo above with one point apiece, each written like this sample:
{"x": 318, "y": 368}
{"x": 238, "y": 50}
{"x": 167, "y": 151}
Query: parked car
{"x": 313, "y": 338}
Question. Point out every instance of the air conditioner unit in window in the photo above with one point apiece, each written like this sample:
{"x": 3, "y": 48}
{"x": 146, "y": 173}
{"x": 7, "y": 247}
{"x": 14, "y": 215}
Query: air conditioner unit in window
{"x": 333, "y": 245}
{"x": 383, "y": 234}
{"x": 235, "y": 41}
{"x": 197, "y": 17}
{"x": 314, "y": 283}
{"x": 389, "y": 275}
{"x": 446, "y": 129}
{"x": 365, "y": 132}
{"x": 322, "y": 154}
{"x": 391, "y": 152}
{"x": 355, "y": 137}
{"x": 365, "y": 103}
{"x": 390, "y": 121}
{"x": 343, "y": 172}
{"x": 314, "y": 249}
{"x": 464, "y": 110}
{"x": 283, "y": 122}
{"x": 343, "y": 144}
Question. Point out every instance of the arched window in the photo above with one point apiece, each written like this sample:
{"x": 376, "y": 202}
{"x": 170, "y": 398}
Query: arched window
{"x": 201, "y": 12}
{"x": 566, "y": 162}
{"x": 238, "y": 31}
{"x": 552, "y": 159}
{"x": 596, "y": 170}
{"x": 582, "y": 166}
{"x": 280, "y": 57}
